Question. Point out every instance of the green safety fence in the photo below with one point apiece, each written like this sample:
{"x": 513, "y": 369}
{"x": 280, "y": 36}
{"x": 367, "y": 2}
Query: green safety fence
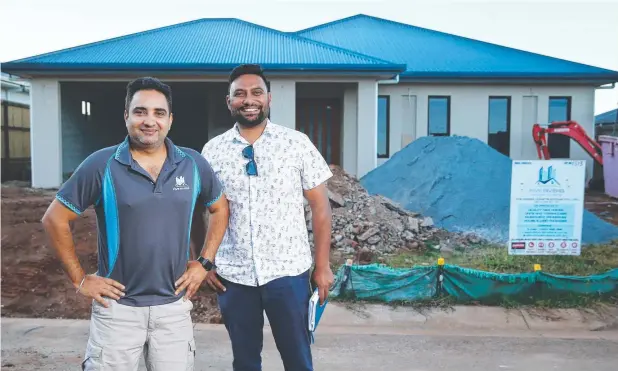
{"x": 379, "y": 282}
{"x": 386, "y": 284}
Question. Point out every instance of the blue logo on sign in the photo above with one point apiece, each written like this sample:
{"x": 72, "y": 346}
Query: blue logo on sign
{"x": 547, "y": 177}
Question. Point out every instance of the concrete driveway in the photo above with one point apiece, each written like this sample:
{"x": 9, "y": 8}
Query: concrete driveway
{"x": 374, "y": 338}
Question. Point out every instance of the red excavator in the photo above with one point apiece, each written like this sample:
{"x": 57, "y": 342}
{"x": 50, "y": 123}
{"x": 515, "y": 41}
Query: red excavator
{"x": 568, "y": 128}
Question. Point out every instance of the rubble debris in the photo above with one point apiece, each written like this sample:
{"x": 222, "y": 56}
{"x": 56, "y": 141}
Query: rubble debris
{"x": 412, "y": 224}
{"x": 427, "y": 222}
{"x": 336, "y": 198}
{"x": 368, "y": 233}
{"x": 366, "y": 226}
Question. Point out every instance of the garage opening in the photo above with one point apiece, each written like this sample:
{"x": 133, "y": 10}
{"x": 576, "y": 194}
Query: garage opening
{"x": 92, "y": 117}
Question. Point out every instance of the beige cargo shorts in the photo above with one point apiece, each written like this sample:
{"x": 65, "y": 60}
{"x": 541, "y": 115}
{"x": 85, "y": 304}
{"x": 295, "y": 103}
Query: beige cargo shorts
{"x": 120, "y": 335}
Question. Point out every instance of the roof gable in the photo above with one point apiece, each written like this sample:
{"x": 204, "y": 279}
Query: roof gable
{"x": 429, "y": 53}
{"x": 220, "y": 43}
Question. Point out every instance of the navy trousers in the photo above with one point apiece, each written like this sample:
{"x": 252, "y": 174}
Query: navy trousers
{"x": 285, "y": 301}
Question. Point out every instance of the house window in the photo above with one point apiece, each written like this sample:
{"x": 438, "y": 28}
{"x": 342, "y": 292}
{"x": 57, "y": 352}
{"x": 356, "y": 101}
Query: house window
{"x": 85, "y": 108}
{"x": 383, "y": 125}
{"x": 559, "y": 110}
{"x": 439, "y": 117}
{"x": 500, "y": 124}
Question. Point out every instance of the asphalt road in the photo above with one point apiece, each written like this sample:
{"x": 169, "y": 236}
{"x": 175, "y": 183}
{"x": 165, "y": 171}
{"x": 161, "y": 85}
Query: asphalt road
{"x": 59, "y": 345}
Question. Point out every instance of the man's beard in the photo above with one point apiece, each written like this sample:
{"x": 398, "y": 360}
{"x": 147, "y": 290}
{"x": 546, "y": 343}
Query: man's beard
{"x": 142, "y": 140}
{"x": 242, "y": 121}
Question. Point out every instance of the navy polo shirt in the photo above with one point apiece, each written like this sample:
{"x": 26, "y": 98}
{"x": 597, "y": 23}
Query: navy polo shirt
{"x": 143, "y": 225}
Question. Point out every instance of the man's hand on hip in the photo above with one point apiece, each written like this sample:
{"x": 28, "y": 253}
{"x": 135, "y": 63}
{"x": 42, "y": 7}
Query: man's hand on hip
{"x": 323, "y": 278}
{"x": 191, "y": 279}
{"x": 97, "y": 287}
{"x": 213, "y": 281}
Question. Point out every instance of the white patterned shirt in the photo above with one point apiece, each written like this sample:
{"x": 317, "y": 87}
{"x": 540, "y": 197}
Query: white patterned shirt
{"x": 267, "y": 234}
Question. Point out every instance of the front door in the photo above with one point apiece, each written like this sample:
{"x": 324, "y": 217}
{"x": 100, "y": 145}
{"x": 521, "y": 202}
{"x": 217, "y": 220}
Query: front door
{"x": 321, "y": 120}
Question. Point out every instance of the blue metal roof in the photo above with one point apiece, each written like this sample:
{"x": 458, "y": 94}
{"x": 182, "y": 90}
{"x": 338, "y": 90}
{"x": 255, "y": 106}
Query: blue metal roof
{"x": 607, "y": 118}
{"x": 429, "y": 53}
{"x": 204, "y": 44}
{"x": 356, "y": 44}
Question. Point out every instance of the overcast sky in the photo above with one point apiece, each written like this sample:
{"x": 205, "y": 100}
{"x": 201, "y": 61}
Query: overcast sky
{"x": 585, "y": 32}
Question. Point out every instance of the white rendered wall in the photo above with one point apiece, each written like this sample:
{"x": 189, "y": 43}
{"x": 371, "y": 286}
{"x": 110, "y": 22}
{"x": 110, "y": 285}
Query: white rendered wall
{"x": 283, "y": 104}
{"x": 367, "y": 129}
{"x": 470, "y": 112}
{"x": 45, "y": 135}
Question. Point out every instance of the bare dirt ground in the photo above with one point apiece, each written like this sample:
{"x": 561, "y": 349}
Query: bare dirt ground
{"x": 604, "y": 206}
{"x": 34, "y": 284}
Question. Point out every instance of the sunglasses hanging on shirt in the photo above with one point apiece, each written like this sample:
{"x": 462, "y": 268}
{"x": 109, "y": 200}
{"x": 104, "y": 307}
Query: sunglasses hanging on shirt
{"x": 251, "y": 166}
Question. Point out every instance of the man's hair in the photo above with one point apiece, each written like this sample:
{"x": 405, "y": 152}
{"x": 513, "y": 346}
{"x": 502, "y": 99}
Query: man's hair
{"x": 248, "y": 69}
{"x": 148, "y": 83}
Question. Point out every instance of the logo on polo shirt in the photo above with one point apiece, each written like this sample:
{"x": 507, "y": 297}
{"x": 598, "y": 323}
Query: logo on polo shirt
{"x": 180, "y": 183}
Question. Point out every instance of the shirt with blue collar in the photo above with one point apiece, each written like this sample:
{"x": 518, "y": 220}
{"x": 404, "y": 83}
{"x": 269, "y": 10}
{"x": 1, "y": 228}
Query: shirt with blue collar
{"x": 143, "y": 225}
{"x": 267, "y": 236}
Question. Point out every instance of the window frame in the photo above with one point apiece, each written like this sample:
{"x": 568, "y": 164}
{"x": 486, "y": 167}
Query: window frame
{"x": 388, "y": 126}
{"x": 448, "y": 115}
{"x": 569, "y": 105}
{"x": 508, "y": 119}
{"x": 569, "y": 100}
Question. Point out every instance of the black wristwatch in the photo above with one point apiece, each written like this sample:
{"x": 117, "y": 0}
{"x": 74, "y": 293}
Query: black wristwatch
{"x": 206, "y": 263}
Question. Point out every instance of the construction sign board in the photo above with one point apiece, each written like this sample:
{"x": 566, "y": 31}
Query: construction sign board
{"x": 547, "y": 206}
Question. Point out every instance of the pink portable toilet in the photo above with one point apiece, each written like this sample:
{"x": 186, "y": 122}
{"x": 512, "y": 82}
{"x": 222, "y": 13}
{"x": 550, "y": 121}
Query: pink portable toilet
{"x": 609, "y": 146}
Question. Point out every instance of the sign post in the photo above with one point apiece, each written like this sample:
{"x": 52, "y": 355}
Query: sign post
{"x": 547, "y": 207}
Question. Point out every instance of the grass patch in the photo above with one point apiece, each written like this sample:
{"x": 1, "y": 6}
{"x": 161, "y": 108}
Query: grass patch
{"x": 593, "y": 260}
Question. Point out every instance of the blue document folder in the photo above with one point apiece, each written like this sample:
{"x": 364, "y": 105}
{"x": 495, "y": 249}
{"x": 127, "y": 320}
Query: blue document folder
{"x": 315, "y": 312}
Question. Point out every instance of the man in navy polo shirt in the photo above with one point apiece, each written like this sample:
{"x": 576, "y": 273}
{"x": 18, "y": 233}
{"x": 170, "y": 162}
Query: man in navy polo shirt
{"x": 144, "y": 191}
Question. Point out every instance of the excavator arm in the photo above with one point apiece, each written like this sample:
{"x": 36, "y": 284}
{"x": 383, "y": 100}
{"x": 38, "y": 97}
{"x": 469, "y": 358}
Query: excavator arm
{"x": 571, "y": 129}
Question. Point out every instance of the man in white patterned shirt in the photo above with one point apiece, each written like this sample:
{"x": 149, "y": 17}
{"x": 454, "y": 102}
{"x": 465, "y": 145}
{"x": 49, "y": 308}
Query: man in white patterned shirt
{"x": 264, "y": 261}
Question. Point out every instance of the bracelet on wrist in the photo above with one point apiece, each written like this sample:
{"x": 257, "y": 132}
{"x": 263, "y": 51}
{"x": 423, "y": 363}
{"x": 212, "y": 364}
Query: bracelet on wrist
{"x": 81, "y": 284}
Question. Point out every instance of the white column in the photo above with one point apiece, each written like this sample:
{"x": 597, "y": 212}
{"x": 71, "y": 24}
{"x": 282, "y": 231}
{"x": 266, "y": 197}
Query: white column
{"x": 210, "y": 115}
{"x": 422, "y": 111}
{"x": 283, "y": 104}
{"x": 350, "y": 136}
{"x": 408, "y": 120}
{"x": 367, "y": 134}
{"x": 396, "y": 125}
{"x": 529, "y": 116}
{"x": 45, "y": 134}
{"x": 518, "y": 127}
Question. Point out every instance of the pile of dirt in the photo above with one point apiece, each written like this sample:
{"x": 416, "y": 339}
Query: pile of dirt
{"x": 367, "y": 227}
{"x": 33, "y": 281}
{"x": 463, "y": 184}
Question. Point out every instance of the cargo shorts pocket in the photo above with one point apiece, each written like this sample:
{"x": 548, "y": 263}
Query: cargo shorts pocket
{"x": 93, "y": 361}
{"x": 191, "y": 355}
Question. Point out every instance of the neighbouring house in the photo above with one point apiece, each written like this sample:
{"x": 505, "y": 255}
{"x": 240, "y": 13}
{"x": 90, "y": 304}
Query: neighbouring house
{"x": 15, "y": 128}
{"x": 606, "y": 123}
{"x": 361, "y": 88}
{"x": 607, "y": 119}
